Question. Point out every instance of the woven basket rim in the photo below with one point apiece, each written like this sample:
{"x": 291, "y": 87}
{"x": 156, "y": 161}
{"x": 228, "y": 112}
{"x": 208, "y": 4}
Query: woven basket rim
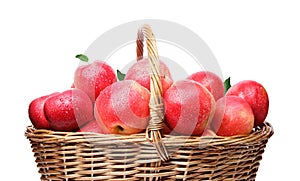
{"x": 264, "y": 131}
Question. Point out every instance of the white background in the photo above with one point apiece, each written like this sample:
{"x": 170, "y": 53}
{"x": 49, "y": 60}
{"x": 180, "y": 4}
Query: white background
{"x": 255, "y": 39}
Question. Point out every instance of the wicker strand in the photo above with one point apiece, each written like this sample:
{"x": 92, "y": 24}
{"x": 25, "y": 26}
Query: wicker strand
{"x": 139, "y": 45}
{"x": 153, "y": 131}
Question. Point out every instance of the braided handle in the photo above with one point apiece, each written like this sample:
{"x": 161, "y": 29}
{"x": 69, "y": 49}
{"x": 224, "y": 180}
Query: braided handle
{"x": 153, "y": 131}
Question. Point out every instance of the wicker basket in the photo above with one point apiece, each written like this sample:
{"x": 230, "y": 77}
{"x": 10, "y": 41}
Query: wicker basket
{"x": 150, "y": 155}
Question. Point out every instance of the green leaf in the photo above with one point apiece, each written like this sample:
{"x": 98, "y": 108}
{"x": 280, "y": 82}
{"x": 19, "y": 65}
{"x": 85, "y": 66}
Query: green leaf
{"x": 120, "y": 75}
{"x": 227, "y": 84}
{"x": 82, "y": 57}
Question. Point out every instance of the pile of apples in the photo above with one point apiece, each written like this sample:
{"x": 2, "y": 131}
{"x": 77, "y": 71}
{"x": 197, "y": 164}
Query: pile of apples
{"x": 199, "y": 105}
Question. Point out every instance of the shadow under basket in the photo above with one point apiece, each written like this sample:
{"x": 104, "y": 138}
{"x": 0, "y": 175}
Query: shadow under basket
{"x": 92, "y": 156}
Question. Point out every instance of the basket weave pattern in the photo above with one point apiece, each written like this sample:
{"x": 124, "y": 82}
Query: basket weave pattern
{"x": 147, "y": 156}
{"x": 92, "y": 156}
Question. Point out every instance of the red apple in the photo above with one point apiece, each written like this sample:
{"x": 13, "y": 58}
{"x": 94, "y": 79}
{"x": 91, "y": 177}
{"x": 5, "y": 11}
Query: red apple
{"x": 233, "y": 116}
{"x": 209, "y": 132}
{"x": 91, "y": 126}
{"x": 68, "y": 110}
{"x": 140, "y": 72}
{"x": 188, "y": 107}
{"x": 256, "y": 96}
{"x": 94, "y": 77}
{"x": 166, "y": 129}
{"x": 123, "y": 108}
{"x": 36, "y": 112}
{"x": 211, "y": 81}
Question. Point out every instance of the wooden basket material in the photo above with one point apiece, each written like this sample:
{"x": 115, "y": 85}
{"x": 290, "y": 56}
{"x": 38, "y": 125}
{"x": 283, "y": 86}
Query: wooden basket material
{"x": 149, "y": 155}
{"x": 92, "y": 156}
{"x": 153, "y": 131}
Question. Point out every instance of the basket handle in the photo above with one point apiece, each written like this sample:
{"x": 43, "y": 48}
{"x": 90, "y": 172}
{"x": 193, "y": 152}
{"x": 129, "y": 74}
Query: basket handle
{"x": 153, "y": 131}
